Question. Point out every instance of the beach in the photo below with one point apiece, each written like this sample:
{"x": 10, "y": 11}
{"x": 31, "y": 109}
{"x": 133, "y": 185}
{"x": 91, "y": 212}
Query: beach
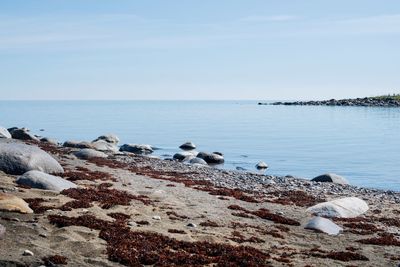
{"x": 137, "y": 210}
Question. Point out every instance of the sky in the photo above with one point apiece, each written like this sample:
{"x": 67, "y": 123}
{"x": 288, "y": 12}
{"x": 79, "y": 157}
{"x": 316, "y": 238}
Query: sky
{"x": 198, "y": 50}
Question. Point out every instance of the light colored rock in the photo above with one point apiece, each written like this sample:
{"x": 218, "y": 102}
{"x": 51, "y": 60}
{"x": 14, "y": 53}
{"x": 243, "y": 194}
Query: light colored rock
{"x": 22, "y": 134}
{"x": 187, "y": 146}
{"x": 88, "y": 153}
{"x": 198, "y": 161}
{"x": 102, "y": 145}
{"x": 2, "y": 231}
{"x": 18, "y": 158}
{"x": 13, "y": 204}
{"x": 77, "y": 144}
{"x": 323, "y": 225}
{"x": 156, "y": 217}
{"x": 184, "y": 156}
{"x": 330, "y": 178}
{"x": 348, "y": 207}
{"x": 109, "y": 138}
{"x": 4, "y": 133}
{"x": 27, "y": 253}
{"x": 262, "y": 165}
{"x": 41, "y": 180}
{"x": 49, "y": 140}
{"x": 137, "y": 149}
{"x": 213, "y": 158}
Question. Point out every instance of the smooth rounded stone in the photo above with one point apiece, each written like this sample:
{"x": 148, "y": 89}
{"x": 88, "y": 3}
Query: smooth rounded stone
{"x": 27, "y": 253}
{"x": 102, "y": 145}
{"x": 22, "y": 134}
{"x": 262, "y": 165}
{"x": 198, "y": 161}
{"x": 323, "y": 225}
{"x": 187, "y": 146}
{"x": 212, "y": 158}
{"x": 193, "y": 225}
{"x": 13, "y": 204}
{"x": 4, "y": 133}
{"x": 184, "y": 156}
{"x": 77, "y": 144}
{"x": 2, "y": 231}
{"x": 49, "y": 140}
{"x": 88, "y": 153}
{"x": 348, "y": 207}
{"x": 137, "y": 149}
{"x": 17, "y": 158}
{"x": 41, "y": 180}
{"x": 157, "y": 218}
{"x": 330, "y": 178}
{"x": 109, "y": 138}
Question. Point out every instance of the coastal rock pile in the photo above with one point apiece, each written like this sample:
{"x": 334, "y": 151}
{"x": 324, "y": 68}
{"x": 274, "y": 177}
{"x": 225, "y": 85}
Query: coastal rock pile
{"x": 361, "y": 102}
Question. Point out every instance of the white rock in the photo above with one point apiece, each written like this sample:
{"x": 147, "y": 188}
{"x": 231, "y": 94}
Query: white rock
{"x": 109, "y": 138}
{"x": 27, "y": 253}
{"x": 330, "y": 178}
{"x": 102, "y": 145}
{"x": 323, "y": 225}
{"x": 41, "y": 180}
{"x": 348, "y": 207}
{"x": 156, "y": 217}
{"x": 4, "y": 133}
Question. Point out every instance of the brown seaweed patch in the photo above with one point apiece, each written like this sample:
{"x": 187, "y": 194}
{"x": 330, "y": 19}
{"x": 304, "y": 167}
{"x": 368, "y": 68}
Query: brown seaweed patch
{"x": 239, "y": 238}
{"x": 242, "y": 215}
{"x": 36, "y": 205}
{"x": 175, "y": 216}
{"x": 176, "y": 231}
{"x": 209, "y": 223}
{"x": 384, "y": 239}
{"x": 55, "y": 260}
{"x": 267, "y": 215}
{"x": 361, "y": 228}
{"x": 142, "y": 223}
{"x": 297, "y": 198}
{"x": 75, "y": 204}
{"x": 87, "y": 175}
{"x": 120, "y": 217}
{"x": 337, "y": 255}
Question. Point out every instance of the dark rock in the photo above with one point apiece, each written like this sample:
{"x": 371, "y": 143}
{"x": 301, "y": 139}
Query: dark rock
{"x": 137, "y": 149}
{"x": 77, "y": 144}
{"x": 330, "y": 178}
{"x": 188, "y": 146}
{"x": 211, "y": 158}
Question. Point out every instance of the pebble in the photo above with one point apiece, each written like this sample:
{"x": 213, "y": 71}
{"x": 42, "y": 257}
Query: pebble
{"x": 27, "y": 253}
{"x": 191, "y": 225}
{"x": 132, "y": 224}
{"x": 156, "y": 217}
{"x": 43, "y": 235}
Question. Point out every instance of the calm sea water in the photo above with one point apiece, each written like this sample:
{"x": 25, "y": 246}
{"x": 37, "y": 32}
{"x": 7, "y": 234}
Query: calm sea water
{"x": 360, "y": 143}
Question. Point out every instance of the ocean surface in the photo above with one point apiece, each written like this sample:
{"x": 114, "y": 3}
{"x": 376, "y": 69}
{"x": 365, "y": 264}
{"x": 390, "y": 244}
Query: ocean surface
{"x": 360, "y": 143}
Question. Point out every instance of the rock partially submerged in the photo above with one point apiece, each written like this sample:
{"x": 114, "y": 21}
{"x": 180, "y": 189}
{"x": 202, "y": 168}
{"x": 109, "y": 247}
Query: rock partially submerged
{"x": 18, "y": 158}
{"x": 188, "y": 146}
{"x": 109, "y": 138}
{"x": 348, "y": 207}
{"x": 13, "y": 204}
{"x": 88, "y": 153}
{"x": 211, "y": 158}
{"x": 330, "y": 178}
{"x": 262, "y": 165}
{"x": 4, "y": 133}
{"x": 137, "y": 149}
{"x": 184, "y": 156}
{"x": 323, "y": 225}
{"x": 41, "y": 180}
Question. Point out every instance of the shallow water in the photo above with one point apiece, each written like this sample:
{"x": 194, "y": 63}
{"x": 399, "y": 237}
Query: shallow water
{"x": 359, "y": 143}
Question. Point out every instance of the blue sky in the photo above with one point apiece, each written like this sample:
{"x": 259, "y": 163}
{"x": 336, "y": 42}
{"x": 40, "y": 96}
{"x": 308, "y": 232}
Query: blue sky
{"x": 225, "y": 49}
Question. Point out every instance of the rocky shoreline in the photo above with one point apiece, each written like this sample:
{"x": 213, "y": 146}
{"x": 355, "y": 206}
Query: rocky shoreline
{"x": 356, "y": 102}
{"x": 95, "y": 204}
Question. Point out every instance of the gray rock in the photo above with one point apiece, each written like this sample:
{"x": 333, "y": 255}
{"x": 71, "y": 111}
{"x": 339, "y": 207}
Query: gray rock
{"x": 41, "y": 180}
{"x": 102, "y": 145}
{"x": 137, "y": 149}
{"x": 188, "y": 146}
{"x": 49, "y": 140}
{"x": 77, "y": 144}
{"x": 211, "y": 158}
{"x": 330, "y": 178}
{"x": 109, "y": 138}
{"x": 18, "y": 158}
{"x": 348, "y": 207}
{"x": 88, "y": 153}
{"x": 22, "y": 134}
{"x": 27, "y": 253}
{"x": 184, "y": 156}
{"x": 2, "y": 231}
{"x": 323, "y": 225}
{"x": 4, "y": 133}
{"x": 198, "y": 161}
{"x": 262, "y": 165}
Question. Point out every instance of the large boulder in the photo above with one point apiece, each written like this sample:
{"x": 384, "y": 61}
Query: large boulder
{"x": 137, "y": 149}
{"x": 188, "y": 146}
{"x": 41, "y": 180}
{"x": 184, "y": 156}
{"x": 4, "y": 133}
{"x": 88, "y": 153}
{"x": 323, "y": 225}
{"x": 109, "y": 138}
{"x": 77, "y": 144}
{"x": 211, "y": 158}
{"x": 330, "y": 178}
{"x": 102, "y": 145}
{"x": 348, "y": 207}
{"x": 18, "y": 158}
{"x": 22, "y": 134}
{"x": 13, "y": 204}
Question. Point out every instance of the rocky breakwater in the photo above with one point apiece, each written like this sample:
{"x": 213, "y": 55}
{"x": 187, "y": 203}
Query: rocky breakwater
{"x": 388, "y": 101}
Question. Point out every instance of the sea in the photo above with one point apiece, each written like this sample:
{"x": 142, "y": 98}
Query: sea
{"x": 359, "y": 143}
